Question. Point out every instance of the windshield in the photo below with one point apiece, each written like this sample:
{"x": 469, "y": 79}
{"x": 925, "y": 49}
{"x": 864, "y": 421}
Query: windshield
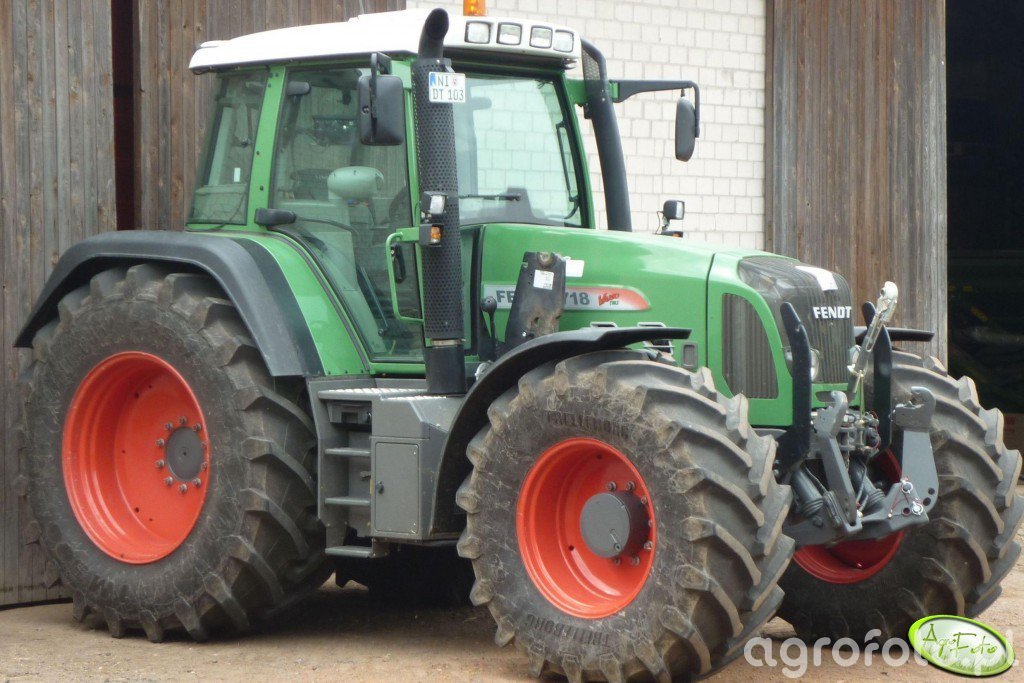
{"x": 515, "y": 154}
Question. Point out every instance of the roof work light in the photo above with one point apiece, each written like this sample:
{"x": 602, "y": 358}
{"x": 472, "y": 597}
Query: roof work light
{"x": 474, "y": 8}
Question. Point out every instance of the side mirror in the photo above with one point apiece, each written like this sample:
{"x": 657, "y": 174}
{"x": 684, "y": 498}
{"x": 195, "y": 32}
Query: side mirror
{"x": 671, "y": 210}
{"x": 674, "y": 209}
{"x": 381, "y": 109}
{"x": 686, "y": 129}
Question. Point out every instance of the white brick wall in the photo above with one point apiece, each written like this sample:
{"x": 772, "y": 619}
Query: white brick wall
{"x": 718, "y": 43}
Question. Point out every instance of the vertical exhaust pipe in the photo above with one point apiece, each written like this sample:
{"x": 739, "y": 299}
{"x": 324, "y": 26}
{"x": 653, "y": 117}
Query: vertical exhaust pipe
{"x": 442, "y": 263}
{"x": 609, "y": 145}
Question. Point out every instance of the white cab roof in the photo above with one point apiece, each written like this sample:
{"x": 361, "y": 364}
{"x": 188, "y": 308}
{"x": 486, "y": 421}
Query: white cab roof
{"x": 388, "y": 32}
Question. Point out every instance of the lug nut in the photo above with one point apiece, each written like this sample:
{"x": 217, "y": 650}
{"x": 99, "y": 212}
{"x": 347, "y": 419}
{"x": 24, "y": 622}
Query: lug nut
{"x": 160, "y": 464}
{"x": 907, "y": 487}
{"x": 168, "y": 426}
{"x": 182, "y": 420}
{"x": 617, "y": 561}
{"x": 203, "y": 466}
{"x": 630, "y": 486}
{"x": 160, "y": 442}
{"x": 197, "y": 482}
{"x": 643, "y": 500}
{"x": 183, "y": 488}
{"x": 648, "y": 545}
{"x": 169, "y": 480}
{"x": 635, "y": 561}
{"x": 611, "y": 486}
{"x": 197, "y": 427}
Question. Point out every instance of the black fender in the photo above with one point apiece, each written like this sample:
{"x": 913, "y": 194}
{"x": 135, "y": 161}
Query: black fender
{"x": 247, "y": 273}
{"x": 896, "y": 334}
{"x": 501, "y": 376}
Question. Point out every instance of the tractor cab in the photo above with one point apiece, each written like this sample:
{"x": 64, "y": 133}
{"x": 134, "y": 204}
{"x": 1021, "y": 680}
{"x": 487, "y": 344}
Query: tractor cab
{"x": 315, "y": 138}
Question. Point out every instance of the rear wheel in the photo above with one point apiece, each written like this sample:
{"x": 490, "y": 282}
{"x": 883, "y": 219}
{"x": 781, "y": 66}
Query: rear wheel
{"x": 623, "y": 520}
{"x": 170, "y": 475}
{"x": 952, "y": 564}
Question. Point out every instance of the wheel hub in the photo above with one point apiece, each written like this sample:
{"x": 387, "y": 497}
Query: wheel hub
{"x": 614, "y": 524}
{"x": 184, "y": 453}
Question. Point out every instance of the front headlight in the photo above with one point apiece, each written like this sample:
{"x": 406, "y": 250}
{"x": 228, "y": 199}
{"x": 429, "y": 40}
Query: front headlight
{"x": 815, "y": 362}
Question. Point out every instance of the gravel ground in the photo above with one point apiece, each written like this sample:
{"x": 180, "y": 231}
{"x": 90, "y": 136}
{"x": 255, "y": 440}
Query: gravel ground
{"x": 343, "y": 633}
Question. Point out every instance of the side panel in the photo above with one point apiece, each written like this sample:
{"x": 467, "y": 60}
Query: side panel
{"x": 620, "y": 278}
{"x": 724, "y": 279}
{"x": 328, "y": 325}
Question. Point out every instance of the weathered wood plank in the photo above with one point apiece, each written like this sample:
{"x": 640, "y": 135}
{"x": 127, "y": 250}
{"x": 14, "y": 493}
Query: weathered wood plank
{"x": 55, "y": 140}
{"x": 857, "y": 146}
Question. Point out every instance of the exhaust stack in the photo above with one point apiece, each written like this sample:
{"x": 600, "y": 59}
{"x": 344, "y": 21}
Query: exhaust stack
{"x": 442, "y": 263}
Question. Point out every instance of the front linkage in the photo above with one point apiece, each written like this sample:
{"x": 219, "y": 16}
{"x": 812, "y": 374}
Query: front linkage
{"x": 841, "y": 502}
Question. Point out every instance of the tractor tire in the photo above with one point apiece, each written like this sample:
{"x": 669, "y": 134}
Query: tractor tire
{"x": 169, "y": 475}
{"x": 702, "y": 550}
{"x": 953, "y": 563}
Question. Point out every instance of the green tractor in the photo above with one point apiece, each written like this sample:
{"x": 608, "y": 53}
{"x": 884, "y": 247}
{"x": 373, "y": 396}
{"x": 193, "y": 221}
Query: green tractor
{"x": 390, "y": 331}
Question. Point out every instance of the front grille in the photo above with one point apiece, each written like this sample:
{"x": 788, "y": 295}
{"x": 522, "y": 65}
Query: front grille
{"x": 779, "y": 280}
{"x": 747, "y": 363}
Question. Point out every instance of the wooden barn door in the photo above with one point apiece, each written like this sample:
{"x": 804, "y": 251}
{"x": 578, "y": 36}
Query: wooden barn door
{"x": 82, "y": 83}
{"x": 856, "y": 146}
{"x": 56, "y": 187}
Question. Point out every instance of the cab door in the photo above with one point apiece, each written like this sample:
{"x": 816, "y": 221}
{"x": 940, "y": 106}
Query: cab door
{"x": 348, "y": 198}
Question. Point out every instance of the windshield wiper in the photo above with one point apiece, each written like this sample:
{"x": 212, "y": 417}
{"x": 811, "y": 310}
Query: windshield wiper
{"x": 506, "y": 197}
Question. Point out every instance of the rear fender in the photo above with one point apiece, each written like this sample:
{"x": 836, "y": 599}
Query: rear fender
{"x": 248, "y": 274}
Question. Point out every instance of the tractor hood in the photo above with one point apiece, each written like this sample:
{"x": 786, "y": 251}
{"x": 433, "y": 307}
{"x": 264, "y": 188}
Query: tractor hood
{"x": 619, "y": 278}
{"x": 729, "y": 297}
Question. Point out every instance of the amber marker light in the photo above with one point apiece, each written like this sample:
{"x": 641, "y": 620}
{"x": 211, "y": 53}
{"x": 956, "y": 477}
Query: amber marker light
{"x": 474, "y": 8}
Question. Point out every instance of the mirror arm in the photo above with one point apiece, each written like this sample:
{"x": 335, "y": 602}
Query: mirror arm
{"x": 379, "y": 64}
{"x": 629, "y": 88}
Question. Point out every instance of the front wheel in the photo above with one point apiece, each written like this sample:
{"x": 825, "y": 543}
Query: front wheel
{"x": 623, "y": 520}
{"x": 950, "y": 565}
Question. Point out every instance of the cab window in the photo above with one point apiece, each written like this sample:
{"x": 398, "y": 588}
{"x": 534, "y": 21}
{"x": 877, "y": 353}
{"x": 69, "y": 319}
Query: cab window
{"x": 222, "y": 183}
{"x": 348, "y": 198}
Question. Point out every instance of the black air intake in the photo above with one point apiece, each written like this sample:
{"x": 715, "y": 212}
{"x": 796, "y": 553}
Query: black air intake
{"x": 747, "y": 362}
{"x": 442, "y": 263}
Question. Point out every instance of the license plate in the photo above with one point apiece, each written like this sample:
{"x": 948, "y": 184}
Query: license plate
{"x": 447, "y": 87}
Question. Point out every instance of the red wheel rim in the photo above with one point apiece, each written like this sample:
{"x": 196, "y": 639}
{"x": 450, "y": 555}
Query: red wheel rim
{"x": 849, "y": 561}
{"x": 853, "y": 561}
{"x": 136, "y": 457}
{"x": 548, "y": 518}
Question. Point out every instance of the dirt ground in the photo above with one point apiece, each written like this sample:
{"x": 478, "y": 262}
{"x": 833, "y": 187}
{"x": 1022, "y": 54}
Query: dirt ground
{"x": 345, "y": 635}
